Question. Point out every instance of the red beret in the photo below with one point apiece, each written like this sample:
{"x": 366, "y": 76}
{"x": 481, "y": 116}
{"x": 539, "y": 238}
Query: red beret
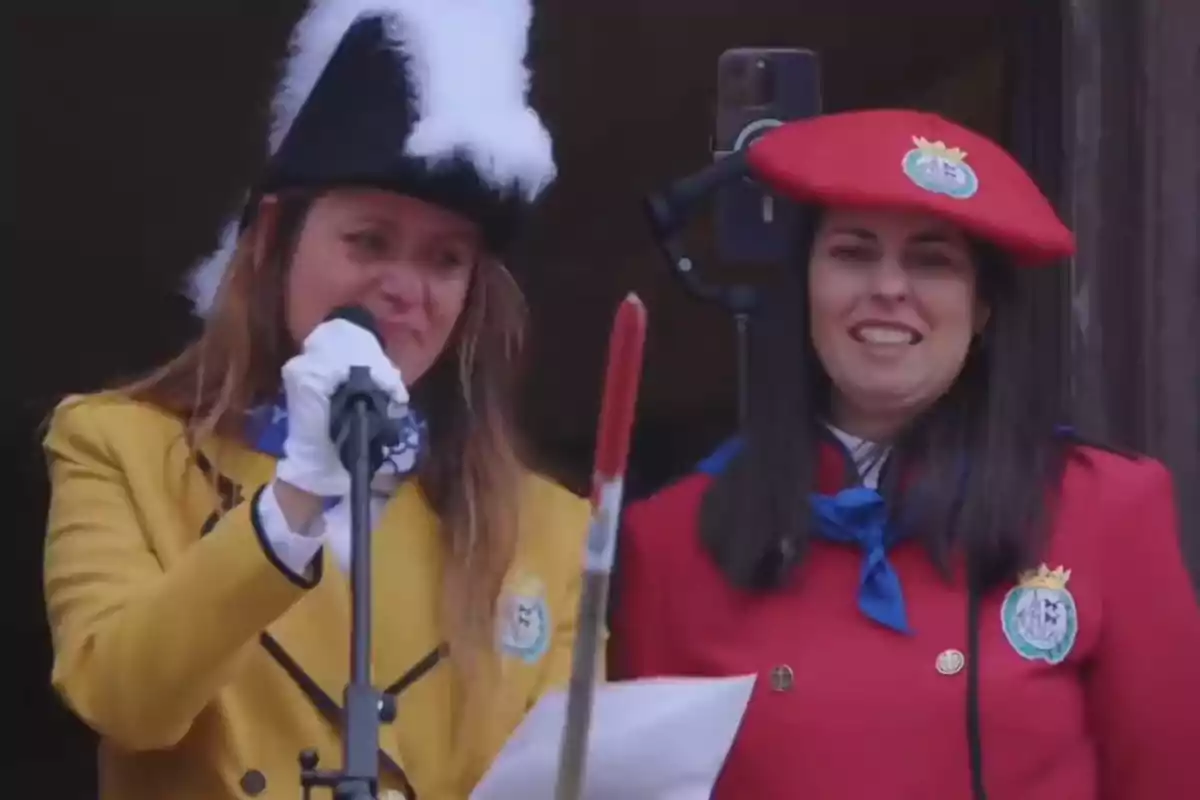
{"x": 913, "y": 161}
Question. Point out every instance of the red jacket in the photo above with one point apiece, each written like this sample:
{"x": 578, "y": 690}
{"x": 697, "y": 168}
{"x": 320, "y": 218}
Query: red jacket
{"x": 845, "y": 709}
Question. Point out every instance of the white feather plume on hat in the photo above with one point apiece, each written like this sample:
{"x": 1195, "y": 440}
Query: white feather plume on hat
{"x": 465, "y": 63}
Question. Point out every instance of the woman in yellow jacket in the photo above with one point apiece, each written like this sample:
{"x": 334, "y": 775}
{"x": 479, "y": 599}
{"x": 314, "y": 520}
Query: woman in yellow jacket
{"x": 198, "y": 535}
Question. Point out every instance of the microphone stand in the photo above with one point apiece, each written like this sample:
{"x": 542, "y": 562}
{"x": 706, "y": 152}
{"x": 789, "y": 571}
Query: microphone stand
{"x": 361, "y": 429}
{"x": 668, "y": 212}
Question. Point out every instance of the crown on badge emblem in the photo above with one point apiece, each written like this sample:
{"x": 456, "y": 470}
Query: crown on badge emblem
{"x": 1045, "y": 578}
{"x": 525, "y": 585}
{"x": 939, "y": 150}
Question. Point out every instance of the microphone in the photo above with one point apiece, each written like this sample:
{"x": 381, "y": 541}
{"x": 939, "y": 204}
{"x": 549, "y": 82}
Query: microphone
{"x": 361, "y": 431}
{"x": 359, "y": 399}
{"x": 357, "y": 315}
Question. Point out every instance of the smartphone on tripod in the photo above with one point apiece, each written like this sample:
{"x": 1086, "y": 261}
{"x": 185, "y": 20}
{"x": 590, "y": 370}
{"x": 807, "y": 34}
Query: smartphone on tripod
{"x": 759, "y": 88}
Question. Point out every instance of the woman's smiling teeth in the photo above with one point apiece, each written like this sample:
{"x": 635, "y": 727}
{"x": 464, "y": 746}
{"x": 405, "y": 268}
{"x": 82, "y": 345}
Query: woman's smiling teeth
{"x": 876, "y": 333}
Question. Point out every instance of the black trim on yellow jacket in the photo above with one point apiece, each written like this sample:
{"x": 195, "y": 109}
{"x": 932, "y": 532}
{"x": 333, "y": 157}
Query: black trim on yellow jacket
{"x": 230, "y": 495}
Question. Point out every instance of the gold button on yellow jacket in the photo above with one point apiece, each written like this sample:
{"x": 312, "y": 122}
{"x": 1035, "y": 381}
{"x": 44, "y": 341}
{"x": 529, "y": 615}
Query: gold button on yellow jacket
{"x": 206, "y": 669}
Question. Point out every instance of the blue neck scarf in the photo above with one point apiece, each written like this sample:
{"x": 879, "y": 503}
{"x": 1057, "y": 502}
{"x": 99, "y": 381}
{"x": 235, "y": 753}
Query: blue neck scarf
{"x": 267, "y": 430}
{"x": 859, "y": 515}
{"x": 856, "y": 515}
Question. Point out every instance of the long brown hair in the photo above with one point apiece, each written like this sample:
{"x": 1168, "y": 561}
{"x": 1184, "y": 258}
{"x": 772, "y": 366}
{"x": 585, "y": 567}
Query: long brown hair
{"x": 471, "y": 472}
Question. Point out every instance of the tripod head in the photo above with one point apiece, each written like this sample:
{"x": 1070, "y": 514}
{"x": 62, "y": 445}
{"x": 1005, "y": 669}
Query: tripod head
{"x": 668, "y": 212}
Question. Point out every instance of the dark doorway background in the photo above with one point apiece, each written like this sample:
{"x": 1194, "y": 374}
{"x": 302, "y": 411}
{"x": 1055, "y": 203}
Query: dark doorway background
{"x": 136, "y": 131}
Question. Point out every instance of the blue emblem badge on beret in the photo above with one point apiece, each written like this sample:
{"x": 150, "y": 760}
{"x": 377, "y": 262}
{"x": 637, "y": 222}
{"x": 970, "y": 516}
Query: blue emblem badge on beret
{"x": 940, "y": 169}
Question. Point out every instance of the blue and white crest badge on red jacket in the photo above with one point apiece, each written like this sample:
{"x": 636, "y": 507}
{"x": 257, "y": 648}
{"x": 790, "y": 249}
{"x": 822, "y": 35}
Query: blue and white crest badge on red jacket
{"x": 1039, "y": 615}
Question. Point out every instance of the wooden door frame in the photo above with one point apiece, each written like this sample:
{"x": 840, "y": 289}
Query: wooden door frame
{"x": 1131, "y": 123}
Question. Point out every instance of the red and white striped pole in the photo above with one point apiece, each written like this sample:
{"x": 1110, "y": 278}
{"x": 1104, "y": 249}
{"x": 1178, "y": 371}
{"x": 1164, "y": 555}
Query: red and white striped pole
{"x": 617, "y": 411}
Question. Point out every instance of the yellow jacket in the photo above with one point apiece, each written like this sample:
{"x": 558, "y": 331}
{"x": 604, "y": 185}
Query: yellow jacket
{"x": 206, "y": 670}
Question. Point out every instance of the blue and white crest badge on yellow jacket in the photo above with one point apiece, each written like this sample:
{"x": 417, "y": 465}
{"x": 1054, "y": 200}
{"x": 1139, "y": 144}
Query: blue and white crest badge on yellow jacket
{"x": 524, "y": 620}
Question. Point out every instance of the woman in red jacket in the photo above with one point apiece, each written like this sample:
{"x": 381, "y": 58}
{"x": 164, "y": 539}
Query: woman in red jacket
{"x": 945, "y": 593}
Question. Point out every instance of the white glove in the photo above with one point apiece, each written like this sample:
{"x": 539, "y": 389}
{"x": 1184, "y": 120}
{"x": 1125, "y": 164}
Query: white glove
{"x": 310, "y": 461}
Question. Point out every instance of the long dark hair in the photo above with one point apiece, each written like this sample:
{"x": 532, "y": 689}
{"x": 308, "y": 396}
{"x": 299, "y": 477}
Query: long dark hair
{"x": 980, "y": 465}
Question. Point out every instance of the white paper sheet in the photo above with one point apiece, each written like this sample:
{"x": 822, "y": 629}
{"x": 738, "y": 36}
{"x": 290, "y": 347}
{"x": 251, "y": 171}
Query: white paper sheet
{"x": 653, "y": 739}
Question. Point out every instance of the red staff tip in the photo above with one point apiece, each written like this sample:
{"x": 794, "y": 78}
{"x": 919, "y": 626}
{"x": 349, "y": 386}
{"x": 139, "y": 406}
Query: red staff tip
{"x": 621, "y": 380}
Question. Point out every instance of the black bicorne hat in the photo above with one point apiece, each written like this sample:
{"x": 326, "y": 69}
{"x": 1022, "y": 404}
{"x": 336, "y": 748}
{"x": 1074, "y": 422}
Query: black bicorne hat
{"x": 426, "y": 98}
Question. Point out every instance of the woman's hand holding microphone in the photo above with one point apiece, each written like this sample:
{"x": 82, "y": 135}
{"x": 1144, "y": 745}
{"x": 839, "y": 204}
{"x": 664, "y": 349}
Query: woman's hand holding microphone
{"x": 311, "y": 471}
